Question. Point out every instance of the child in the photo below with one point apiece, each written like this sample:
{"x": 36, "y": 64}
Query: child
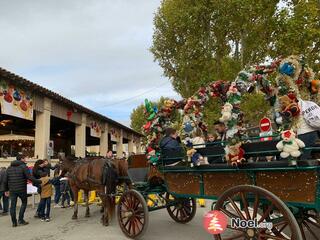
{"x": 45, "y": 202}
{"x": 65, "y": 189}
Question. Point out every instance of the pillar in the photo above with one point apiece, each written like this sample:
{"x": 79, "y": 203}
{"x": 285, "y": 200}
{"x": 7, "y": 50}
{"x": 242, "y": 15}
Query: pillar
{"x": 81, "y": 137}
{"x": 42, "y": 134}
{"x": 103, "y": 149}
{"x": 120, "y": 145}
{"x": 138, "y": 145}
{"x": 130, "y": 145}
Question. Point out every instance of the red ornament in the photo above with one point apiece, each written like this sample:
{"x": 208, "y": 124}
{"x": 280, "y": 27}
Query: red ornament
{"x": 8, "y": 98}
{"x": 147, "y": 126}
{"x": 69, "y": 115}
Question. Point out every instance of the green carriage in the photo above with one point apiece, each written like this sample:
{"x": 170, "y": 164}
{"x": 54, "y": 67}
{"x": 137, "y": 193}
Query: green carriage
{"x": 272, "y": 192}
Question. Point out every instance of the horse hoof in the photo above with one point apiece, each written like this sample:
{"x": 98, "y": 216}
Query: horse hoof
{"x": 74, "y": 217}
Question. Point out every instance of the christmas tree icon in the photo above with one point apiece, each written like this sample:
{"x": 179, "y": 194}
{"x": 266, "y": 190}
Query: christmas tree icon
{"x": 214, "y": 224}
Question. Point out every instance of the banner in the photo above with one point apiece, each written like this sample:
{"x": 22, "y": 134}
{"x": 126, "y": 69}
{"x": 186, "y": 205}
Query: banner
{"x": 114, "y": 135}
{"x": 95, "y": 129}
{"x": 15, "y": 101}
{"x": 311, "y": 113}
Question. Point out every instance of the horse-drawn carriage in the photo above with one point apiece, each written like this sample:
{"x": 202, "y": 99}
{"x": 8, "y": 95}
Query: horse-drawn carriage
{"x": 272, "y": 192}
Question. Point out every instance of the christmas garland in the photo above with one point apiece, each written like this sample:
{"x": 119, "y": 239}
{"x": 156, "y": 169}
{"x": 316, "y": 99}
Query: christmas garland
{"x": 293, "y": 79}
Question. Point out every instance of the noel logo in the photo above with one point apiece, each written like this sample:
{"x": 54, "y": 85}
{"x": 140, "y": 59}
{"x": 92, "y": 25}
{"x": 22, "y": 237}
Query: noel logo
{"x": 215, "y": 222}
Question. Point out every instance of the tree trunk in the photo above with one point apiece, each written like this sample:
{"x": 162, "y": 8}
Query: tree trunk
{"x": 236, "y": 52}
{"x": 243, "y": 48}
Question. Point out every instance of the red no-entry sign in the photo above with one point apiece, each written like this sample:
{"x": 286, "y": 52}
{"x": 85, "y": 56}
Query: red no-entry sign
{"x": 265, "y": 124}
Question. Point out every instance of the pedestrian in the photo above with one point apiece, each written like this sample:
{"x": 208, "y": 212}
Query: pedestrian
{"x": 221, "y": 131}
{"x": 65, "y": 191}
{"x": 109, "y": 155}
{"x": 37, "y": 172}
{"x": 46, "y": 194}
{"x": 57, "y": 187}
{"x": 16, "y": 183}
{"x": 3, "y": 195}
{"x": 47, "y": 166}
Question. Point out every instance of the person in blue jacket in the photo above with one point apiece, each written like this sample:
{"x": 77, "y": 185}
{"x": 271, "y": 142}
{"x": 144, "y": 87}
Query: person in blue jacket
{"x": 170, "y": 141}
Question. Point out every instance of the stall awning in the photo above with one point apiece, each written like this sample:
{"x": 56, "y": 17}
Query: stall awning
{"x": 14, "y": 137}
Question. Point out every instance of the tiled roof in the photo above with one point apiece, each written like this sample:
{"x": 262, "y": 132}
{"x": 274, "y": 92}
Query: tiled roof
{"x": 57, "y": 97}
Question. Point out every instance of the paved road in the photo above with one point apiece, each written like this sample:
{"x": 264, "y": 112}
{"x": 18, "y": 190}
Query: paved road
{"x": 63, "y": 228}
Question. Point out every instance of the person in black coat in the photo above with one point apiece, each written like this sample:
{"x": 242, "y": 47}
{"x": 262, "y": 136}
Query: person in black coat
{"x": 170, "y": 141}
{"x": 5, "y": 199}
{"x": 16, "y": 183}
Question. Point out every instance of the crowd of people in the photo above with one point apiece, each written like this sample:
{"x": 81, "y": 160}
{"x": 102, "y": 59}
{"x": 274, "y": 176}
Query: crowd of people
{"x": 13, "y": 186}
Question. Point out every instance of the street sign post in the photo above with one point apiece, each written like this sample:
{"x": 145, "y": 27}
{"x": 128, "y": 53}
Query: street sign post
{"x": 265, "y": 126}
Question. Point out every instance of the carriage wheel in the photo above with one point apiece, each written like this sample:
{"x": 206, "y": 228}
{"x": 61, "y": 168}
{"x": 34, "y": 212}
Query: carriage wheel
{"x": 133, "y": 214}
{"x": 249, "y": 203}
{"x": 183, "y": 210}
{"x": 309, "y": 223}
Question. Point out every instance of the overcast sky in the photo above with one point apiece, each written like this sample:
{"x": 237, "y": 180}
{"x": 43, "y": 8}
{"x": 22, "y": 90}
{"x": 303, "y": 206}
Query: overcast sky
{"x": 95, "y": 52}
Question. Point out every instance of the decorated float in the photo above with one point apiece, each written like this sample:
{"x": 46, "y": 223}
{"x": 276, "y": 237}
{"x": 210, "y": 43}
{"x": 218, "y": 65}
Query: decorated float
{"x": 288, "y": 85}
{"x": 284, "y": 192}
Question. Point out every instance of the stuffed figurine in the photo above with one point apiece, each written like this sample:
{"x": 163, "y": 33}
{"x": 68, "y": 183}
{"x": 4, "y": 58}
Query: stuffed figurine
{"x": 226, "y": 113}
{"x": 290, "y": 146}
{"x": 235, "y": 154}
{"x": 153, "y": 156}
{"x": 196, "y": 158}
{"x": 169, "y": 104}
{"x": 289, "y": 106}
{"x": 190, "y": 104}
{"x": 315, "y": 86}
{"x": 219, "y": 89}
{"x": 167, "y": 107}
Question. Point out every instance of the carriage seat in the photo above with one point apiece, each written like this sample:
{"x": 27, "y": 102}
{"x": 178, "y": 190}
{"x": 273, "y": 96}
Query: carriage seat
{"x": 169, "y": 156}
{"x": 214, "y": 153}
{"x": 138, "y": 168}
{"x": 260, "y": 149}
{"x": 255, "y": 165}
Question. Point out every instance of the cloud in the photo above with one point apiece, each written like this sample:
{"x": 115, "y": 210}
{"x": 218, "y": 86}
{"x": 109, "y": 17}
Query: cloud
{"x": 93, "y": 52}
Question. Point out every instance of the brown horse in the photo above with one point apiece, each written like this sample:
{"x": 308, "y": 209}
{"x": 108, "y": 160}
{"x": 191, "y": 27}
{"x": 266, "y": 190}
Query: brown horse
{"x": 95, "y": 174}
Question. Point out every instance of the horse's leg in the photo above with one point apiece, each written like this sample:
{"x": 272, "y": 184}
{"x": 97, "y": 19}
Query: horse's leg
{"x": 87, "y": 203}
{"x": 129, "y": 184}
{"x": 75, "y": 191}
{"x": 111, "y": 207}
{"x": 104, "y": 218}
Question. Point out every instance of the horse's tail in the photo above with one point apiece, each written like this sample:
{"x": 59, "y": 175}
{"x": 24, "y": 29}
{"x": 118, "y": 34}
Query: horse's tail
{"x": 110, "y": 178}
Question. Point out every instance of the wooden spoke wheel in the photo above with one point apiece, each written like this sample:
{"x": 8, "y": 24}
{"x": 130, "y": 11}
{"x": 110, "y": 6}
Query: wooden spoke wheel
{"x": 247, "y": 202}
{"x": 309, "y": 223}
{"x": 181, "y": 210}
{"x": 133, "y": 214}
{"x": 213, "y": 204}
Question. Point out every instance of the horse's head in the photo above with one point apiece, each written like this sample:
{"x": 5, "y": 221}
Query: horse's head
{"x": 67, "y": 164}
